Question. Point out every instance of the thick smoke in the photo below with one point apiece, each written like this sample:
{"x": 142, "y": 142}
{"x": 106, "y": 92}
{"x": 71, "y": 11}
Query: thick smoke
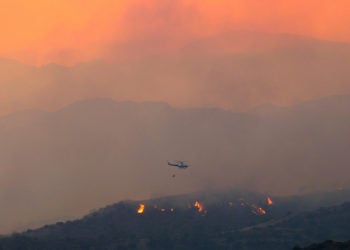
{"x": 93, "y": 153}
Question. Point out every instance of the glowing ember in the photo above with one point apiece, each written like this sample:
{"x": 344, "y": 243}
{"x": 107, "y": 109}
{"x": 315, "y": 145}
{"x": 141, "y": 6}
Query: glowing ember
{"x": 198, "y": 206}
{"x": 162, "y": 210}
{"x": 172, "y": 209}
{"x": 261, "y": 211}
{"x": 141, "y": 208}
{"x": 258, "y": 210}
{"x": 269, "y": 201}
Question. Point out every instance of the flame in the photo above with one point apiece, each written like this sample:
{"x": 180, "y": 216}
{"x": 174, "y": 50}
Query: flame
{"x": 261, "y": 211}
{"x": 141, "y": 208}
{"x": 258, "y": 210}
{"x": 269, "y": 201}
{"x": 198, "y": 206}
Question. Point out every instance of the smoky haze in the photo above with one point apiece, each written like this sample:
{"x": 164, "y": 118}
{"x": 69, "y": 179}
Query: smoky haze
{"x": 233, "y": 70}
{"x": 62, "y": 164}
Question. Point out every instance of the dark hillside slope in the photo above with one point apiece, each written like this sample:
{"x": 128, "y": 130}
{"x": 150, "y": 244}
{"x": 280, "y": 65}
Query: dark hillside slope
{"x": 212, "y": 220}
{"x": 327, "y": 245}
{"x": 301, "y": 229}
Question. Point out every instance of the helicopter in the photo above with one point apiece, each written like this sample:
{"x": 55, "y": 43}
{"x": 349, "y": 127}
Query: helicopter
{"x": 179, "y": 164}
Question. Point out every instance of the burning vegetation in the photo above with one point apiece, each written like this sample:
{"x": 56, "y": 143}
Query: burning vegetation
{"x": 199, "y": 206}
{"x": 141, "y": 208}
{"x": 258, "y": 210}
{"x": 269, "y": 201}
{"x": 239, "y": 203}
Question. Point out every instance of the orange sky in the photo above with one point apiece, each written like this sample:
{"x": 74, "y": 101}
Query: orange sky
{"x": 71, "y": 31}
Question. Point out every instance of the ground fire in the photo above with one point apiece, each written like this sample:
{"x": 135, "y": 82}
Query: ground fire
{"x": 141, "y": 208}
{"x": 258, "y": 210}
{"x": 198, "y": 206}
{"x": 269, "y": 201}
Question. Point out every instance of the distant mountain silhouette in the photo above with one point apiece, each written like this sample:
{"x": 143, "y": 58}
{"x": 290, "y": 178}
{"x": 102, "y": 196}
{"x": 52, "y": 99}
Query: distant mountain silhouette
{"x": 96, "y": 152}
{"x": 235, "y": 70}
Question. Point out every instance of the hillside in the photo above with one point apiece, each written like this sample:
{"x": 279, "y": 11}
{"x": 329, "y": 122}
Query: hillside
{"x": 327, "y": 245}
{"x": 211, "y": 220}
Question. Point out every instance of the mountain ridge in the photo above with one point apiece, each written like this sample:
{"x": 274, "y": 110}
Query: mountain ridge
{"x": 236, "y": 81}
